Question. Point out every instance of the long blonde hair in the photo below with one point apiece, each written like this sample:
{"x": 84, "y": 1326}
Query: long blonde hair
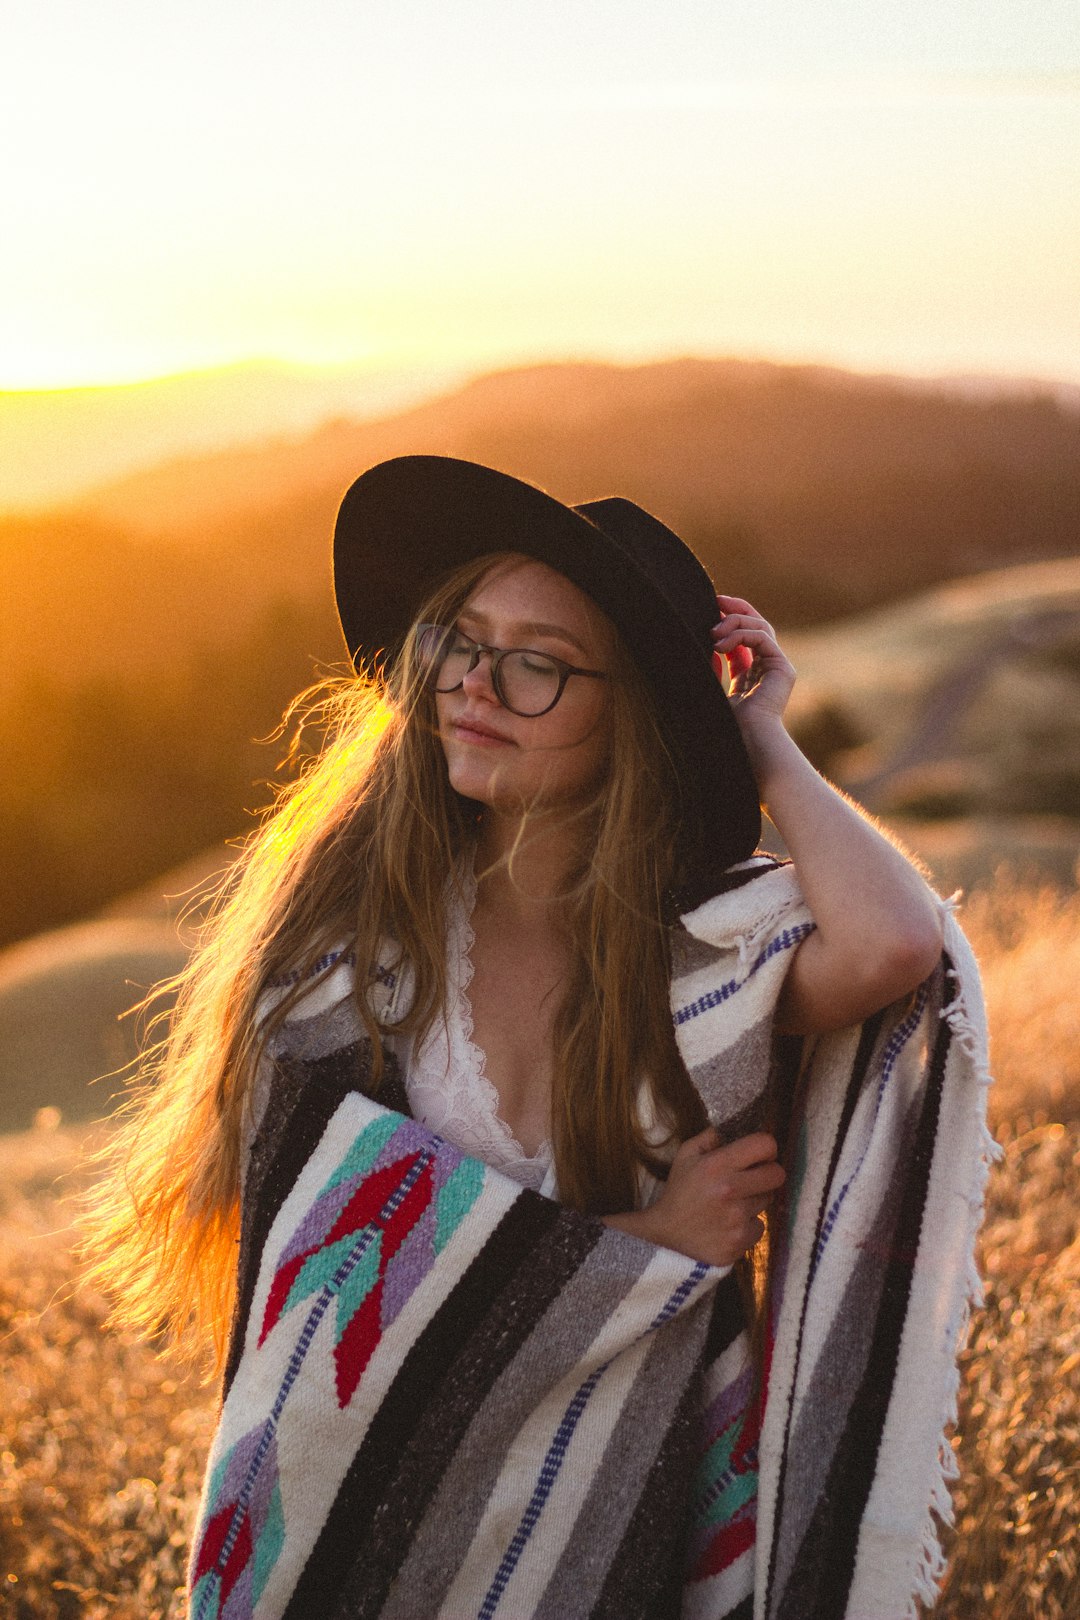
{"x": 359, "y": 845}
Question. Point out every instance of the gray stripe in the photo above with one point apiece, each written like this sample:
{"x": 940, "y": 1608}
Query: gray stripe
{"x": 557, "y": 1343}
{"x": 672, "y": 1361}
{"x": 334, "y": 1028}
{"x": 689, "y": 955}
{"x": 733, "y": 1081}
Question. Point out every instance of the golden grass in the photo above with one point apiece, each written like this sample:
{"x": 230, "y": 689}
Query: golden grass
{"x": 102, "y": 1442}
{"x": 1016, "y": 1545}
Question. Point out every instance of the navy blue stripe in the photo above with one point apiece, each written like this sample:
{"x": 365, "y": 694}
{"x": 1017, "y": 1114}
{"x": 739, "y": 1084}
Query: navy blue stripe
{"x": 785, "y": 941}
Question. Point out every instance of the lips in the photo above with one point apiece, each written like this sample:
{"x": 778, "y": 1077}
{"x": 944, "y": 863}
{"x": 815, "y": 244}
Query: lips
{"x": 468, "y": 730}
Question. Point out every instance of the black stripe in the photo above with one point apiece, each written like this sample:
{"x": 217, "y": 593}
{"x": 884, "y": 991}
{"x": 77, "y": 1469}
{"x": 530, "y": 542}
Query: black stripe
{"x": 304, "y": 1094}
{"x": 785, "y": 1067}
{"x": 825, "y": 1565}
{"x": 448, "y": 1371}
{"x": 727, "y": 1319}
{"x": 646, "y": 1576}
{"x": 733, "y": 880}
{"x": 867, "y": 1039}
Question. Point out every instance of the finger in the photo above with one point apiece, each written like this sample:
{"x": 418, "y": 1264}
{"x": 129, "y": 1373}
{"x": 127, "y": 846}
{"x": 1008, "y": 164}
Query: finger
{"x": 739, "y": 661}
{"x": 755, "y": 635}
{"x": 730, "y": 622}
{"x": 706, "y": 1141}
{"x": 748, "y": 1231}
{"x": 756, "y": 1186}
{"x": 745, "y": 1151}
{"x": 734, "y": 604}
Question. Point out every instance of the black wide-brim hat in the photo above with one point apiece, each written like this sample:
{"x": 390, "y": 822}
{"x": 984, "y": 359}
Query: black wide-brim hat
{"x": 406, "y": 524}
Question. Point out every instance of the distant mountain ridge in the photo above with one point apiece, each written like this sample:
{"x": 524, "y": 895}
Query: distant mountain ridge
{"x": 814, "y": 492}
{"x": 567, "y": 423}
{"x": 58, "y": 443}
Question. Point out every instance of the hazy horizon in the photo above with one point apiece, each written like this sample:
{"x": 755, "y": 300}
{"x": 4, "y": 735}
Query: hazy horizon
{"x": 882, "y": 188}
{"x": 60, "y": 445}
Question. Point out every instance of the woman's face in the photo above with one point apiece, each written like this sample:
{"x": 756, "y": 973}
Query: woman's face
{"x": 546, "y": 762}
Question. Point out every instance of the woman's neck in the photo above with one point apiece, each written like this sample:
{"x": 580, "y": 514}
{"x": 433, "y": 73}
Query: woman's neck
{"x": 524, "y": 868}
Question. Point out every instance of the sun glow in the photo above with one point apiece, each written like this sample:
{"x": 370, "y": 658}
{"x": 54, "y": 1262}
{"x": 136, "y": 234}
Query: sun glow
{"x": 419, "y": 189}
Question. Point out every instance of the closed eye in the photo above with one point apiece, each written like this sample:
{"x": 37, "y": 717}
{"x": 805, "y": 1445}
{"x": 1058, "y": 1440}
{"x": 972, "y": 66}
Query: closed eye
{"x": 537, "y": 663}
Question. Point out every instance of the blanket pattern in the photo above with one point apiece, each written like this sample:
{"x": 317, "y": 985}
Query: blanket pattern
{"x": 449, "y": 1396}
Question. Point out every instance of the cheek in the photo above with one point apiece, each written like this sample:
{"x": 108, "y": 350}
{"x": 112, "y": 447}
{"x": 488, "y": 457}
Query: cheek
{"x": 588, "y": 750}
{"x": 447, "y": 707}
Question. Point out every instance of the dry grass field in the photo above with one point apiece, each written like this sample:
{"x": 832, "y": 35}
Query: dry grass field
{"x": 102, "y": 1440}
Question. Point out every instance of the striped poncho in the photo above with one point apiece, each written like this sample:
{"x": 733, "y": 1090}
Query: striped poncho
{"x": 447, "y": 1396}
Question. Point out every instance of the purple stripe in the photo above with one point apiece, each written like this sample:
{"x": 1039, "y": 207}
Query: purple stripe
{"x": 347, "y": 958}
{"x": 411, "y": 1264}
{"x": 731, "y": 1400}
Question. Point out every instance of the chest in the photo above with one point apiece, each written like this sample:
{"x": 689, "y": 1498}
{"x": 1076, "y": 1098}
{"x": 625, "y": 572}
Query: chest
{"x": 516, "y": 989}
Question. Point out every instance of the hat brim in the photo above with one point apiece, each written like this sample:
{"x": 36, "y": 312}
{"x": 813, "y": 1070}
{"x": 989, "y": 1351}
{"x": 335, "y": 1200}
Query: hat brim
{"x": 408, "y": 522}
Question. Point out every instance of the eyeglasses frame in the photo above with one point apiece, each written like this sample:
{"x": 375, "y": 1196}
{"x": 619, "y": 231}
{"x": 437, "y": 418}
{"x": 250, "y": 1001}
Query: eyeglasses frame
{"x": 497, "y": 654}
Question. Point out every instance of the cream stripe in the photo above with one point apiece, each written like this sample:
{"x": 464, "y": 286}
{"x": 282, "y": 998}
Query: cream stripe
{"x": 319, "y": 1428}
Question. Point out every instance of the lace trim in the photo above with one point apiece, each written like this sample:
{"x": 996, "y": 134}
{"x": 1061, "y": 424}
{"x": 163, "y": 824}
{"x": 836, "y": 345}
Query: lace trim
{"x": 447, "y": 1085}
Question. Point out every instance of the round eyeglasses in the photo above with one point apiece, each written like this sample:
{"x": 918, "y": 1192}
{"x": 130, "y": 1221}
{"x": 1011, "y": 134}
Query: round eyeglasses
{"x": 527, "y": 683}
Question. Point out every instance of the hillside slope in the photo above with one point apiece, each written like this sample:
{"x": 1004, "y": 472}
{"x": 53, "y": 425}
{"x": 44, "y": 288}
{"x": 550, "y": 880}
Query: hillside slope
{"x": 814, "y": 492}
{"x": 963, "y": 701}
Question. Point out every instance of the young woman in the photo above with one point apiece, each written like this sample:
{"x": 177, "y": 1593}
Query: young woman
{"x": 535, "y": 772}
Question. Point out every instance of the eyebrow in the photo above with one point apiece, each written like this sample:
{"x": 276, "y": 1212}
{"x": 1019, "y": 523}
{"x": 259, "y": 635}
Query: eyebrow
{"x": 530, "y": 627}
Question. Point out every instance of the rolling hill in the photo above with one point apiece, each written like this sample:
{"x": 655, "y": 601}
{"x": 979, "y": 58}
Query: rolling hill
{"x": 816, "y": 493}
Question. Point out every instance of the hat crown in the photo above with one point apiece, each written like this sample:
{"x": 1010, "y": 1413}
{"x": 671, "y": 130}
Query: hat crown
{"x": 667, "y": 562}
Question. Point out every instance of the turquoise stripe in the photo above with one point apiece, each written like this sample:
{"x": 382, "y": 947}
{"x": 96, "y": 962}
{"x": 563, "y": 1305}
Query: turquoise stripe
{"x": 217, "y": 1478}
{"x": 207, "y": 1591}
{"x": 717, "y": 1460}
{"x": 357, "y": 1285}
{"x": 270, "y": 1544}
{"x": 740, "y": 1489}
{"x": 460, "y": 1193}
{"x": 365, "y": 1150}
{"x": 319, "y": 1268}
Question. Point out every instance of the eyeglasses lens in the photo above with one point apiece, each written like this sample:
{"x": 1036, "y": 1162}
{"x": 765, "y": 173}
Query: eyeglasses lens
{"x": 527, "y": 682}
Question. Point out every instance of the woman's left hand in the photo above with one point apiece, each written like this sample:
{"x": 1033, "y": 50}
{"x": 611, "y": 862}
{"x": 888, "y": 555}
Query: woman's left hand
{"x": 761, "y": 677}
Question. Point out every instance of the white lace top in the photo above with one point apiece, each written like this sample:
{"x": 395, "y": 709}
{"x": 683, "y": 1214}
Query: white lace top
{"x": 444, "y": 1076}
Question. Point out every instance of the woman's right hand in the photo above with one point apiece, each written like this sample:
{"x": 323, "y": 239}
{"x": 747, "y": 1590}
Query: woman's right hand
{"x": 709, "y": 1207}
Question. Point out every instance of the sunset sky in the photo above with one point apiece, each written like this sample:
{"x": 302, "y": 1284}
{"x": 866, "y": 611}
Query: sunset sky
{"x": 882, "y": 183}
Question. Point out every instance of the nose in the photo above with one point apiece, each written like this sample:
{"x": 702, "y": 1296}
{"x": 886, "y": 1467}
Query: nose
{"x": 478, "y": 681}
